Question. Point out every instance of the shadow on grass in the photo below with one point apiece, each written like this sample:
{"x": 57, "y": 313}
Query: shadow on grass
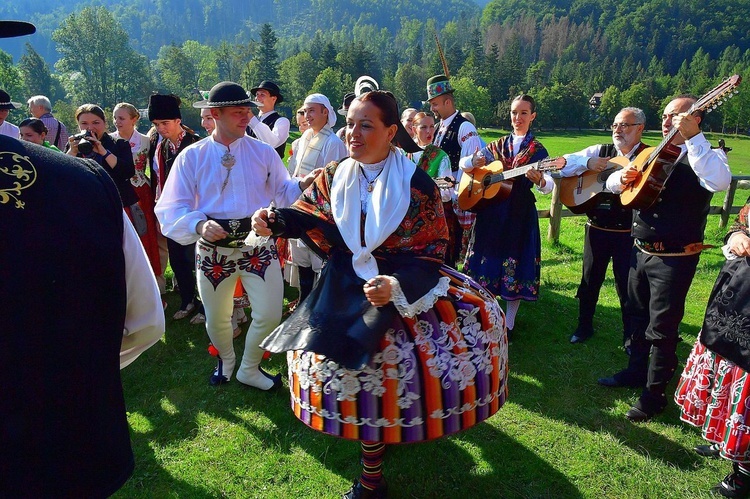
{"x": 564, "y": 378}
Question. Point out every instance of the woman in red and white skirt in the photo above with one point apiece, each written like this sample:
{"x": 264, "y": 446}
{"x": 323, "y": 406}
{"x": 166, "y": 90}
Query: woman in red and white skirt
{"x": 714, "y": 392}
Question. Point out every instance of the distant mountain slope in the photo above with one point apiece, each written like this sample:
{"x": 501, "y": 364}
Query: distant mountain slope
{"x": 153, "y": 23}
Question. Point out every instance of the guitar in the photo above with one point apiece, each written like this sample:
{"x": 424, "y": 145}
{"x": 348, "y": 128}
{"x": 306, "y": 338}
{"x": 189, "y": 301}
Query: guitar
{"x": 579, "y": 194}
{"x": 492, "y": 182}
{"x": 654, "y": 164}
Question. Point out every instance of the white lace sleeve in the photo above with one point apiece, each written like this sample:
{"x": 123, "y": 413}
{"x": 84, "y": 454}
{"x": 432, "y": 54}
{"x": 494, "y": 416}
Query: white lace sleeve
{"x": 423, "y": 304}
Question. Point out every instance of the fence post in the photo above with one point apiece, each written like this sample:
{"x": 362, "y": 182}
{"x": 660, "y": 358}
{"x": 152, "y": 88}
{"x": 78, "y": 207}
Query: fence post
{"x": 728, "y": 200}
{"x": 555, "y": 213}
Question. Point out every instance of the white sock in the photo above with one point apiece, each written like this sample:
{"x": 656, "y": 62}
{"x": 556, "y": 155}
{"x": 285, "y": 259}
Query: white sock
{"x": 511, "y": 309}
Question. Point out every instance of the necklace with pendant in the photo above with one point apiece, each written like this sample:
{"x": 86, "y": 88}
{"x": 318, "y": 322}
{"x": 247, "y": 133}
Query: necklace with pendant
{"x": 227, "y": 161}
{"x": 370, "y": 183}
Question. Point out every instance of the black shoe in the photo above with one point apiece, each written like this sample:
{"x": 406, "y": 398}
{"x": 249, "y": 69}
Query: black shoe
{"x": 707, "y": 451}
{"x": 646, "y": 408}
{"x": 276, "y": 379}
{"x": 735, "y": 484}
{"x": 357, "y": 491}
{"x": 622, "y": 379}
{"x": 581, "y": 334}
{"x": 216, "y": 379}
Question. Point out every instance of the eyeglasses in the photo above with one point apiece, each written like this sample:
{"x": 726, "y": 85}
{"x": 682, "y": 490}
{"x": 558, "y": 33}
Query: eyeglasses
{"x": 624, "y": 126}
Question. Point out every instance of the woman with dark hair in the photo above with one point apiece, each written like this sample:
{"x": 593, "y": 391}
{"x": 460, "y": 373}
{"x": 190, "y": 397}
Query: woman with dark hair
{"x": 113, "y": 155}
{"x": 391, "y": 346}
{"x": 34, "y": 130}
{"x": 505, "y": 248}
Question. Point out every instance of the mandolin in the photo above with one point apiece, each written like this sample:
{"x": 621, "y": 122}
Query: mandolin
{"x": 654, "y": 164}
{"x": 493, "y": 182}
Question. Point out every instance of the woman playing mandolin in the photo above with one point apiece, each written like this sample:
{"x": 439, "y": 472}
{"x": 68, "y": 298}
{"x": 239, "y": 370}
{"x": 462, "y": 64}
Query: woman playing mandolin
{"x": 505, "y": 249}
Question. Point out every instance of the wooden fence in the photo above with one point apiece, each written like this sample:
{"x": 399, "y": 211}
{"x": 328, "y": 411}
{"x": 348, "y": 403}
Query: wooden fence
{"x": 557, "y": 210}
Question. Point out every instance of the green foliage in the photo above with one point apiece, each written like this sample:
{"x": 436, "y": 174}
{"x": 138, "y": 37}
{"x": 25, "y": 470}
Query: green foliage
{"x": 37, "y": 77}
{"x": 97, "y": 63}
{"x": 10, "y": 77}
{"x": 474, "y": 98}
{"x": 333, "y": 84}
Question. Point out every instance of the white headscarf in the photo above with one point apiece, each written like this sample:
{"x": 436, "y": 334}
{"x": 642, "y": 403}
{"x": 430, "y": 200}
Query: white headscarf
{"x": 386, "y": 208}
{"x": 322, "y": 99}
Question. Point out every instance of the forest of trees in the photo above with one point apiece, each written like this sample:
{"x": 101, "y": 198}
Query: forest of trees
{"x": 560, "y": 51}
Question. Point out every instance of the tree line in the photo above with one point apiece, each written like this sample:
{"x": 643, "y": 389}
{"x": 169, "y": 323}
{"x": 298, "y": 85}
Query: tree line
{"x": 560, "y": 51}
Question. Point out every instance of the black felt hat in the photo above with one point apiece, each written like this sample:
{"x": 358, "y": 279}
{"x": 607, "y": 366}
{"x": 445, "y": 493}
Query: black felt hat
{"x": 272, "y": 88}
{"x": 348, "y": 98}
{"x": 164, "y": 107}
{"x": 6, "y": 103}
{"x": 226, "y": 94}
{"x": 10, "y": 29}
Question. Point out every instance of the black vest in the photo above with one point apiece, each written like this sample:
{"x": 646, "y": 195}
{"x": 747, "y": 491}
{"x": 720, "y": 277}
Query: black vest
{"x": 609, "y": 213}
{"x": 450, "y": 143}
{"x": 678, "y": 217}
{"x": 270, "y": 119}
{"x": 63, "y": 426}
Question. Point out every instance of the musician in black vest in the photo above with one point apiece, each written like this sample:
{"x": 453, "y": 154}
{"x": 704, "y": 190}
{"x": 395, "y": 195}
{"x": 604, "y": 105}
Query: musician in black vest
{"x": 164, "y": 113}
{"x": 71, "y": 285}
{"x": 668, "y": 241}
{"x": 458, "y": 138}
{"x": 607, "y": 234}
{"x": 269, "y": 126}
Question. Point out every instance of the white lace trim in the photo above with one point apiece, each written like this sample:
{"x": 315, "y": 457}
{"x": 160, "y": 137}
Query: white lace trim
{"x": 423, "y": 304}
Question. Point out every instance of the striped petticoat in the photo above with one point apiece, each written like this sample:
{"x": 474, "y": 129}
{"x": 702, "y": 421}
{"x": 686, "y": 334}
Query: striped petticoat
{"x": 713, "y": 394}
{"x": 439, "y": 373}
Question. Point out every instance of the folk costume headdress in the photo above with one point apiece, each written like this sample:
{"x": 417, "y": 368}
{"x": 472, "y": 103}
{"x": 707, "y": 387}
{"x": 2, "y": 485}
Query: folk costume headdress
{"x": 323, "y": 100}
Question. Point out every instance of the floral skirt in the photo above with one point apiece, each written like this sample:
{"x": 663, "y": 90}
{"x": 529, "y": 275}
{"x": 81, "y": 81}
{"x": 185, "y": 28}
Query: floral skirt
{"x": 438, "y": 373}
{"x": 714, "y": 394}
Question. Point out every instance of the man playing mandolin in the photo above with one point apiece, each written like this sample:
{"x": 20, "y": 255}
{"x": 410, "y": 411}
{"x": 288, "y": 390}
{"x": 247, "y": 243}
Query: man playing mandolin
{"x": 607, "y": 234}
{"x": 668, "y": 241}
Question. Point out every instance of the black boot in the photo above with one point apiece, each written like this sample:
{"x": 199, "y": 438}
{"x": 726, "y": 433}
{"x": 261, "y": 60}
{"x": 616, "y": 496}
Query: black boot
{"x": 306, "y": 281}
{"x": 735, "y": 484}
{"x": 661, "y": 368}
{"x": 633, "y": 376}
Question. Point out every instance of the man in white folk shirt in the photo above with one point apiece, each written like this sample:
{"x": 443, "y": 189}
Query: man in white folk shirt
{"x": 269, "y": 126}
{"x": 214, "y": 188}
{"x": 317, "y": 147}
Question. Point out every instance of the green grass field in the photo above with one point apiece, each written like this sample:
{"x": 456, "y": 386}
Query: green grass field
{"x": 559, "y": 435}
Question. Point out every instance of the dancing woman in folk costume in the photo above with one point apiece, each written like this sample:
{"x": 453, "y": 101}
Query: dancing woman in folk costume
{"x": 714, "y": 389}
{"x": 505, "y": 249}
{"x": 391, "y": 346}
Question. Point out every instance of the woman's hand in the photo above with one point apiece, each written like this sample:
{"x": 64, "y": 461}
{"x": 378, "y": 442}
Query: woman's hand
{"x": 739, "y": 243}
{"x": 477, "y": 159}
{"x": 73, "y": 143}
{"x": 537, "y": 177}
{"x": 378, "y": 291}
{"x": 96, "y": 144}
{"x": 261, "y": 219}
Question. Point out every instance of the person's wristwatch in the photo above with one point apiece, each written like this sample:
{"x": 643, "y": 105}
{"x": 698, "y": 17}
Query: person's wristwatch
{"x": 107, "y": 154}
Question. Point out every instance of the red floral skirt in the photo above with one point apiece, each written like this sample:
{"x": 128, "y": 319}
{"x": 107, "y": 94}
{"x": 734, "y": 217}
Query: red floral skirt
{"x": 714, "y": 394}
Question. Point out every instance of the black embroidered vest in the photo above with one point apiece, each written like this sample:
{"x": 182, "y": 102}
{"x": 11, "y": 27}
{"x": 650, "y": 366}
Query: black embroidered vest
{"x": 450, "y": 143}
{"x": 678, "y": 217}
{"x": 609, "y": 213}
